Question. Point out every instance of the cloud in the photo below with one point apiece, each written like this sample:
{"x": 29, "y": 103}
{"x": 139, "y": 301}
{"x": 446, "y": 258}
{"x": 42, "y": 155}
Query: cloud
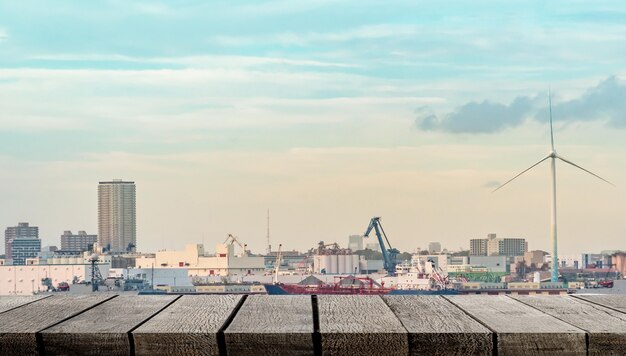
{"x": 478, "y": 117}
{"x": 3, "y": 35}
{"x": 604, "y": 102}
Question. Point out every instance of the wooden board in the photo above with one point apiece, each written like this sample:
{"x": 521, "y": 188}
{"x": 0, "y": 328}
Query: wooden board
{"x": 360, "y": 325}
{"x": 433, "y": 320}
{"x": 106, "y": 326}
{"x": 189, "y": 326}
{"x": 522, "y": 329}
{"x": 606, "y": 327}
{"x": 8, "y": 303}
{"x": 18, "y": 327}
{"x": 613, "y": 301}
{"x": 272, "y": 325}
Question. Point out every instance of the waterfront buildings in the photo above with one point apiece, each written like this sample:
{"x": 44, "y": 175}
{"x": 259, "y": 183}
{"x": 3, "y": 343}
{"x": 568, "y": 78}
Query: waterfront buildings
{"x": 77, "y": 243}
{"x": 494, "y": 246}
{"x": 434, "y": 247}
{"x": 193, "y": 258}
{"x": 355, "y": 242}
{"x": 22, "y": 230}
{"x": 117, "y": 229}
{"x": 21, "y": 242}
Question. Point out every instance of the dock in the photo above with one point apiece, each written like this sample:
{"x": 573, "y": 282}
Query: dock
{"x": 110, "y": 324}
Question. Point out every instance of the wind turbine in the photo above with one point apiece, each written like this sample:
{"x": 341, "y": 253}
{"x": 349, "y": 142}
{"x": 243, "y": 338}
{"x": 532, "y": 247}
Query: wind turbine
{"x": 553, "y": 156}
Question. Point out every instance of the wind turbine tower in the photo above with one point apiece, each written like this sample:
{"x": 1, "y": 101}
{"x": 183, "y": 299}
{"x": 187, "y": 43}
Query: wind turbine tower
{"x": 553, "y": 157}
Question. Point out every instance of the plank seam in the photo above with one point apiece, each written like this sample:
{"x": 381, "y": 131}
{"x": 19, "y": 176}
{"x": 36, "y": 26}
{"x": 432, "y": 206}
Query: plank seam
{"x": 221, "y": 338}
{"x": 317, "y": 335}
{"x": 581, "y": 298}
{"x": 494, "y": 334}
{"x": 408, "y": 333}
{"x": 556, "y": 317}
{"x": 21, "y": 305}
{"x": 131, "y": 339}
{"x": 39, "y": 337}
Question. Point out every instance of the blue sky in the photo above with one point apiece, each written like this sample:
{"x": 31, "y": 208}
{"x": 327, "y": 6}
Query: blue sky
{"x": 307, "y": 108}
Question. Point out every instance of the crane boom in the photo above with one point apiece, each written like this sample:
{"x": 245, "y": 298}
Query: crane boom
{"x": 389, "y": 253}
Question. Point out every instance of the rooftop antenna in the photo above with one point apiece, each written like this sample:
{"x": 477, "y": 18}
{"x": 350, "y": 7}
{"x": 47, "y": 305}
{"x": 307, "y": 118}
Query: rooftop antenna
{"x": 553, "y": 156}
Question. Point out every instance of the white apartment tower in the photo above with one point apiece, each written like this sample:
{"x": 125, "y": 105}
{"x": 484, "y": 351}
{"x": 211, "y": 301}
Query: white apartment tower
{"x": 117, "y": 228}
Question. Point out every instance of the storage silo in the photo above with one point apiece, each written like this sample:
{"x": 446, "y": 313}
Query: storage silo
{"x": 355, "y": 264}
{"x": 326, "y": 259}
{"x": 341, "y": 264}
{"x": 333, "y": 264}
{"x": 349, "y": 267}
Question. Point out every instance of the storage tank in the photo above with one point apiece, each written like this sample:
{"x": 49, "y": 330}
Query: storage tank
{"x": 537, "y": 278}
{"x": 349, "y": 267}
{"x": 355, "y": 264}
{"x": 65, "y": 260}
{"x": 341, "y": 264}
{"x": 326, "y": 259}
{"x": 56, "y": 261}
{"x": 333, "y": 264}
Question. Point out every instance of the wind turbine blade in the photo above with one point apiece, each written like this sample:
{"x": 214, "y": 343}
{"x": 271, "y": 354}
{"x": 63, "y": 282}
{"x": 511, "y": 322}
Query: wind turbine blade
{"x": 579, "y": 167}
{"x": 526, "y": 170}
{"x": 551, "y": 128}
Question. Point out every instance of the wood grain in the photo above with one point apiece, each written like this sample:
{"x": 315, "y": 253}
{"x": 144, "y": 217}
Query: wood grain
{"x": 437, "y": 327}
{"x": 360, "y": 325}
{"x": 187, "y": 327}
{"x": 606, "y": 328}
{"x": 8, "y": 303}
{"x": 272, "y": 325}
{"x": 106, "y": 326}
{"x": 522, "y": 329}
{"x": 18, "y": 327}
{"x": 613, "y": 301}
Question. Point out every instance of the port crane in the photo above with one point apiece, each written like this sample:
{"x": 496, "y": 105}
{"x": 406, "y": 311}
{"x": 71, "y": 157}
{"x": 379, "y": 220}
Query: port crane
{"x": 389, "y": 253}
{"x": 233, "y": 239}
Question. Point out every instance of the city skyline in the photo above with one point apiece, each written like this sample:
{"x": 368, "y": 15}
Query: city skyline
{"x": 411, "y": 112}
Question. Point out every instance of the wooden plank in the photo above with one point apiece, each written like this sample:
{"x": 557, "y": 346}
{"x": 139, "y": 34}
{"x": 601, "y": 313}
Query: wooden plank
{"x": 433, "y": 320}
{"x": 522, "y": 329}
{"x": 103, "y": 330}
{"x": 272, "y": 325}
{"x": 18, "y": 327}
{"x": 12, "y": 302}
{"x": 613, "y": 301}
{"x": 360, "y": 325}
{"x": 606, "y": 328}
{"x": 189, "y": 326}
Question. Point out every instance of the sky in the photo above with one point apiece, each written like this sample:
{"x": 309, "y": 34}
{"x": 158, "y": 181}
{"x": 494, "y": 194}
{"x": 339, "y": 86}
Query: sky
{"x": 326, "y": 113}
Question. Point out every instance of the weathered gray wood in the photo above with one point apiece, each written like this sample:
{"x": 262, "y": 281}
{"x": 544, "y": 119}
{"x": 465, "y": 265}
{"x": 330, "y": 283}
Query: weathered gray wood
{"x": 18, "y": 327}
{"x": 272, "y": 325}
{"x": 606, "y": 327}
{"x": 8, "y": 303}
{"x": 187, "y": 327}
{"x": 360, "y": 325}
{"x": 522, "y": 329}
{"x": 106, "y": 326}
{"x": 613, "y": 301}
{"x": 437, "y": 327}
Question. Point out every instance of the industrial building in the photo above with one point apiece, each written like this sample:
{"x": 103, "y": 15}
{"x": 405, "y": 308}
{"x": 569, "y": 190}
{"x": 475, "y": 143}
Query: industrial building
{"x": 117, "y": 228}
{"x": 194, "y": 259}
{"x": 31, "y": 277}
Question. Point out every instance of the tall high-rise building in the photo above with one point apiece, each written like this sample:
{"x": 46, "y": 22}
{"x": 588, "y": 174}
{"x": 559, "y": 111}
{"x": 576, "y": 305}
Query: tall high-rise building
{"x": 434, "y": 247}
{"x": 79, "y": 242}
{"x": 23, "y": 248}
{"x": 355, "y": 242}
{"x": 22, "y": 230}
{"x": 117, "y": 228}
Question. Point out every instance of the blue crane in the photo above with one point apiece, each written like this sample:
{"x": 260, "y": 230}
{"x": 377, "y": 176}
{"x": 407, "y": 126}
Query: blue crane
{"x": 389, "y": 253}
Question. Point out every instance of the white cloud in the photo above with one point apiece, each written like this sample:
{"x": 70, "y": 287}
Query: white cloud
{"x": 3, "y": 35}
